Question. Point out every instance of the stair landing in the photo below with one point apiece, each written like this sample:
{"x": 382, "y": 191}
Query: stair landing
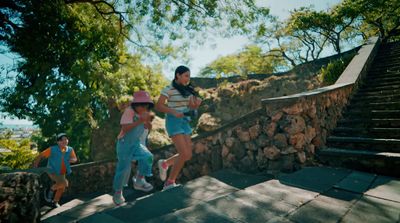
{"x": 314, "y": 194}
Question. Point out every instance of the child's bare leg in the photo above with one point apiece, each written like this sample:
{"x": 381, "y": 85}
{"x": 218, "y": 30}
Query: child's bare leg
{"x": 59, "y": 188}
{"x": 185, "y": 153}
{"x": 171, "y": 161}
{"x": 58, "y": 194}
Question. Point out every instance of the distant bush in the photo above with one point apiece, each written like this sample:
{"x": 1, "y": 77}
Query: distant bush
{"x": 20, "y": 156}
{"x": 331, "y": 72}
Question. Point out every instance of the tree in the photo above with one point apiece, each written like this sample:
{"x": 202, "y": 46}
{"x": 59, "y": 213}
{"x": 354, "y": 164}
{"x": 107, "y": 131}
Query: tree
{"x": 65, "y": 81}
{"x": 74, "y": 64}
{"x": 330, "y": 25}
{"x": 307, "y": 33}
{"x": 282, "y": 40}
{"x": 147, "y": 24}
{"x": 20, "y": 156}
{"x": 380, "y": 17}
{"x": 249, "y": 61}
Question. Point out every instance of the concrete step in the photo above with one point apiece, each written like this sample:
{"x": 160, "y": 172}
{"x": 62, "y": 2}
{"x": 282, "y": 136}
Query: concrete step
{"x": 195, "y": 192}
{"x": 241, "y": 206}
{"x": 372, "y": 114}
{"x": 375, "y": 98}
{"x": 386, "y": 163}
{"x": 387, "y": 61}
{"x": 81, "y": 210}
{"x": 383, "y": 59}
{"x": 269, "y": 201}
{"x": 364, "y": 143}
{"x": 383, "y": 71}
{"x": 393, "y": 105}
{"x": 49, "y": 212}
{"x": 378, "y": 83}
{"x": 386, "y": 65}
{"x": 372, "y": 79}
{"x": 390, "y": 61}
{"x": 383, "y": 74}
{"x": 367, "y": 132}
{"x": 393, "y": 58}
{"x": 380, "y": 88}
{"x": 285, "y": 190}
{"x": 369, "y": 123}
{"x": 390, "y": 92}
{"x": 308, "y": 195}
{"x": 383, "y": 56}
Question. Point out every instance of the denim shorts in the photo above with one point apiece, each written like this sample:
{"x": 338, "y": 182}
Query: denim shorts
{"x": 177, "y": 126}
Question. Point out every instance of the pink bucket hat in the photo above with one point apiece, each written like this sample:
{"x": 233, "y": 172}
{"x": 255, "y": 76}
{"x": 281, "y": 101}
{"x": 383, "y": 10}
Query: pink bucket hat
{"x": 142, "y": 97}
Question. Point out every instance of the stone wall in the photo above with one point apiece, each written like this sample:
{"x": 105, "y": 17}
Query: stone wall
{"x": 279, "y": 137}
{"x": 94, "y": 177}
{"x": 19, "y": 197}
{"x": 313, "y": 66}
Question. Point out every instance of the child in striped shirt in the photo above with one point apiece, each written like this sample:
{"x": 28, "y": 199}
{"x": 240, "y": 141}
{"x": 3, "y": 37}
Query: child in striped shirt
{"x": 178, "y": 101}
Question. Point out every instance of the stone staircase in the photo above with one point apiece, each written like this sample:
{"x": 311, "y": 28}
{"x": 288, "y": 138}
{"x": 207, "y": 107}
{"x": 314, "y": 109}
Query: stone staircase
{"x": 368, "y": 136}
{"x": 141, "y": 206}
{"x": 316, "y": 194}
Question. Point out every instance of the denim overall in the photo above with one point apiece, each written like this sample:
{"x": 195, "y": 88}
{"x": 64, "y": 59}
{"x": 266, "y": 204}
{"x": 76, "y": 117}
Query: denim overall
{"x": 129, "y": 148}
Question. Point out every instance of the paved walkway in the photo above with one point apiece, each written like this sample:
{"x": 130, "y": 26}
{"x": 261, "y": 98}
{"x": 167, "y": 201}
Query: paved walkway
{"x": 316, "y": 194}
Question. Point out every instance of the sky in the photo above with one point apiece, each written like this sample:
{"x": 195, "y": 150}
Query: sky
{"x": 205, "y": 54}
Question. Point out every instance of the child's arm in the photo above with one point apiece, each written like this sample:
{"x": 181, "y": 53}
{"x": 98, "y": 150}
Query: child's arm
{"x": 44, "y": 154}
{"x": 161, "y": 107}
{"x": 194, "y": 102}
{"x": 127, "y": 127}
{"x": 72, "y": 157}
{"x": 37, "y": 161}
{"x": 148, "y": 125}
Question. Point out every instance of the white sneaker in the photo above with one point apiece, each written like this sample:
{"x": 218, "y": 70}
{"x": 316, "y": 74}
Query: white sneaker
{"x": 118, "y": 198}
{"x": 170, "y": 186}
{"x": 55, "y": 204}
{"x": 163, "y": 171}
{"x": 142, "y": 184}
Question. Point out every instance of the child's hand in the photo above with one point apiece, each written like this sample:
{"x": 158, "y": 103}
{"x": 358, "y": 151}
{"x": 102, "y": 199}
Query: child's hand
{"x": 148, "y": 125}
{"x": 178, "y": 114}
{"x": 144, "y": 117}
{"x": 198, "y": 102}
{"x": 194, "y": 102}
{"x": 36, "y": 162}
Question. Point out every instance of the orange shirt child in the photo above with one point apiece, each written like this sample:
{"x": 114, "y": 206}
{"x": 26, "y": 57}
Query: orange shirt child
{"x": 47, "y": 152}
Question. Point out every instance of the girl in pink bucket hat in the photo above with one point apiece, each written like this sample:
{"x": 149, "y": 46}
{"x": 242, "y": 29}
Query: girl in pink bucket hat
{"x": 134, "y": 121}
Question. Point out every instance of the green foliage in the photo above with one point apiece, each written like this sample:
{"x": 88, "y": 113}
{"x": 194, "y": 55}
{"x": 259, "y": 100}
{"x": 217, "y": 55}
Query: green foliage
{"x": 250, "y": 61}
{"x": 75, "y": 64}
{"x": 21, "y": 155}
{"x": 307, "y": 32}
{"x": 74, "y": 68}
{"x": 147, "y": 24}
{"x": 377, "y": 16}
{"x": 331, "y": 72}
{"x": 331, "y": 26}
